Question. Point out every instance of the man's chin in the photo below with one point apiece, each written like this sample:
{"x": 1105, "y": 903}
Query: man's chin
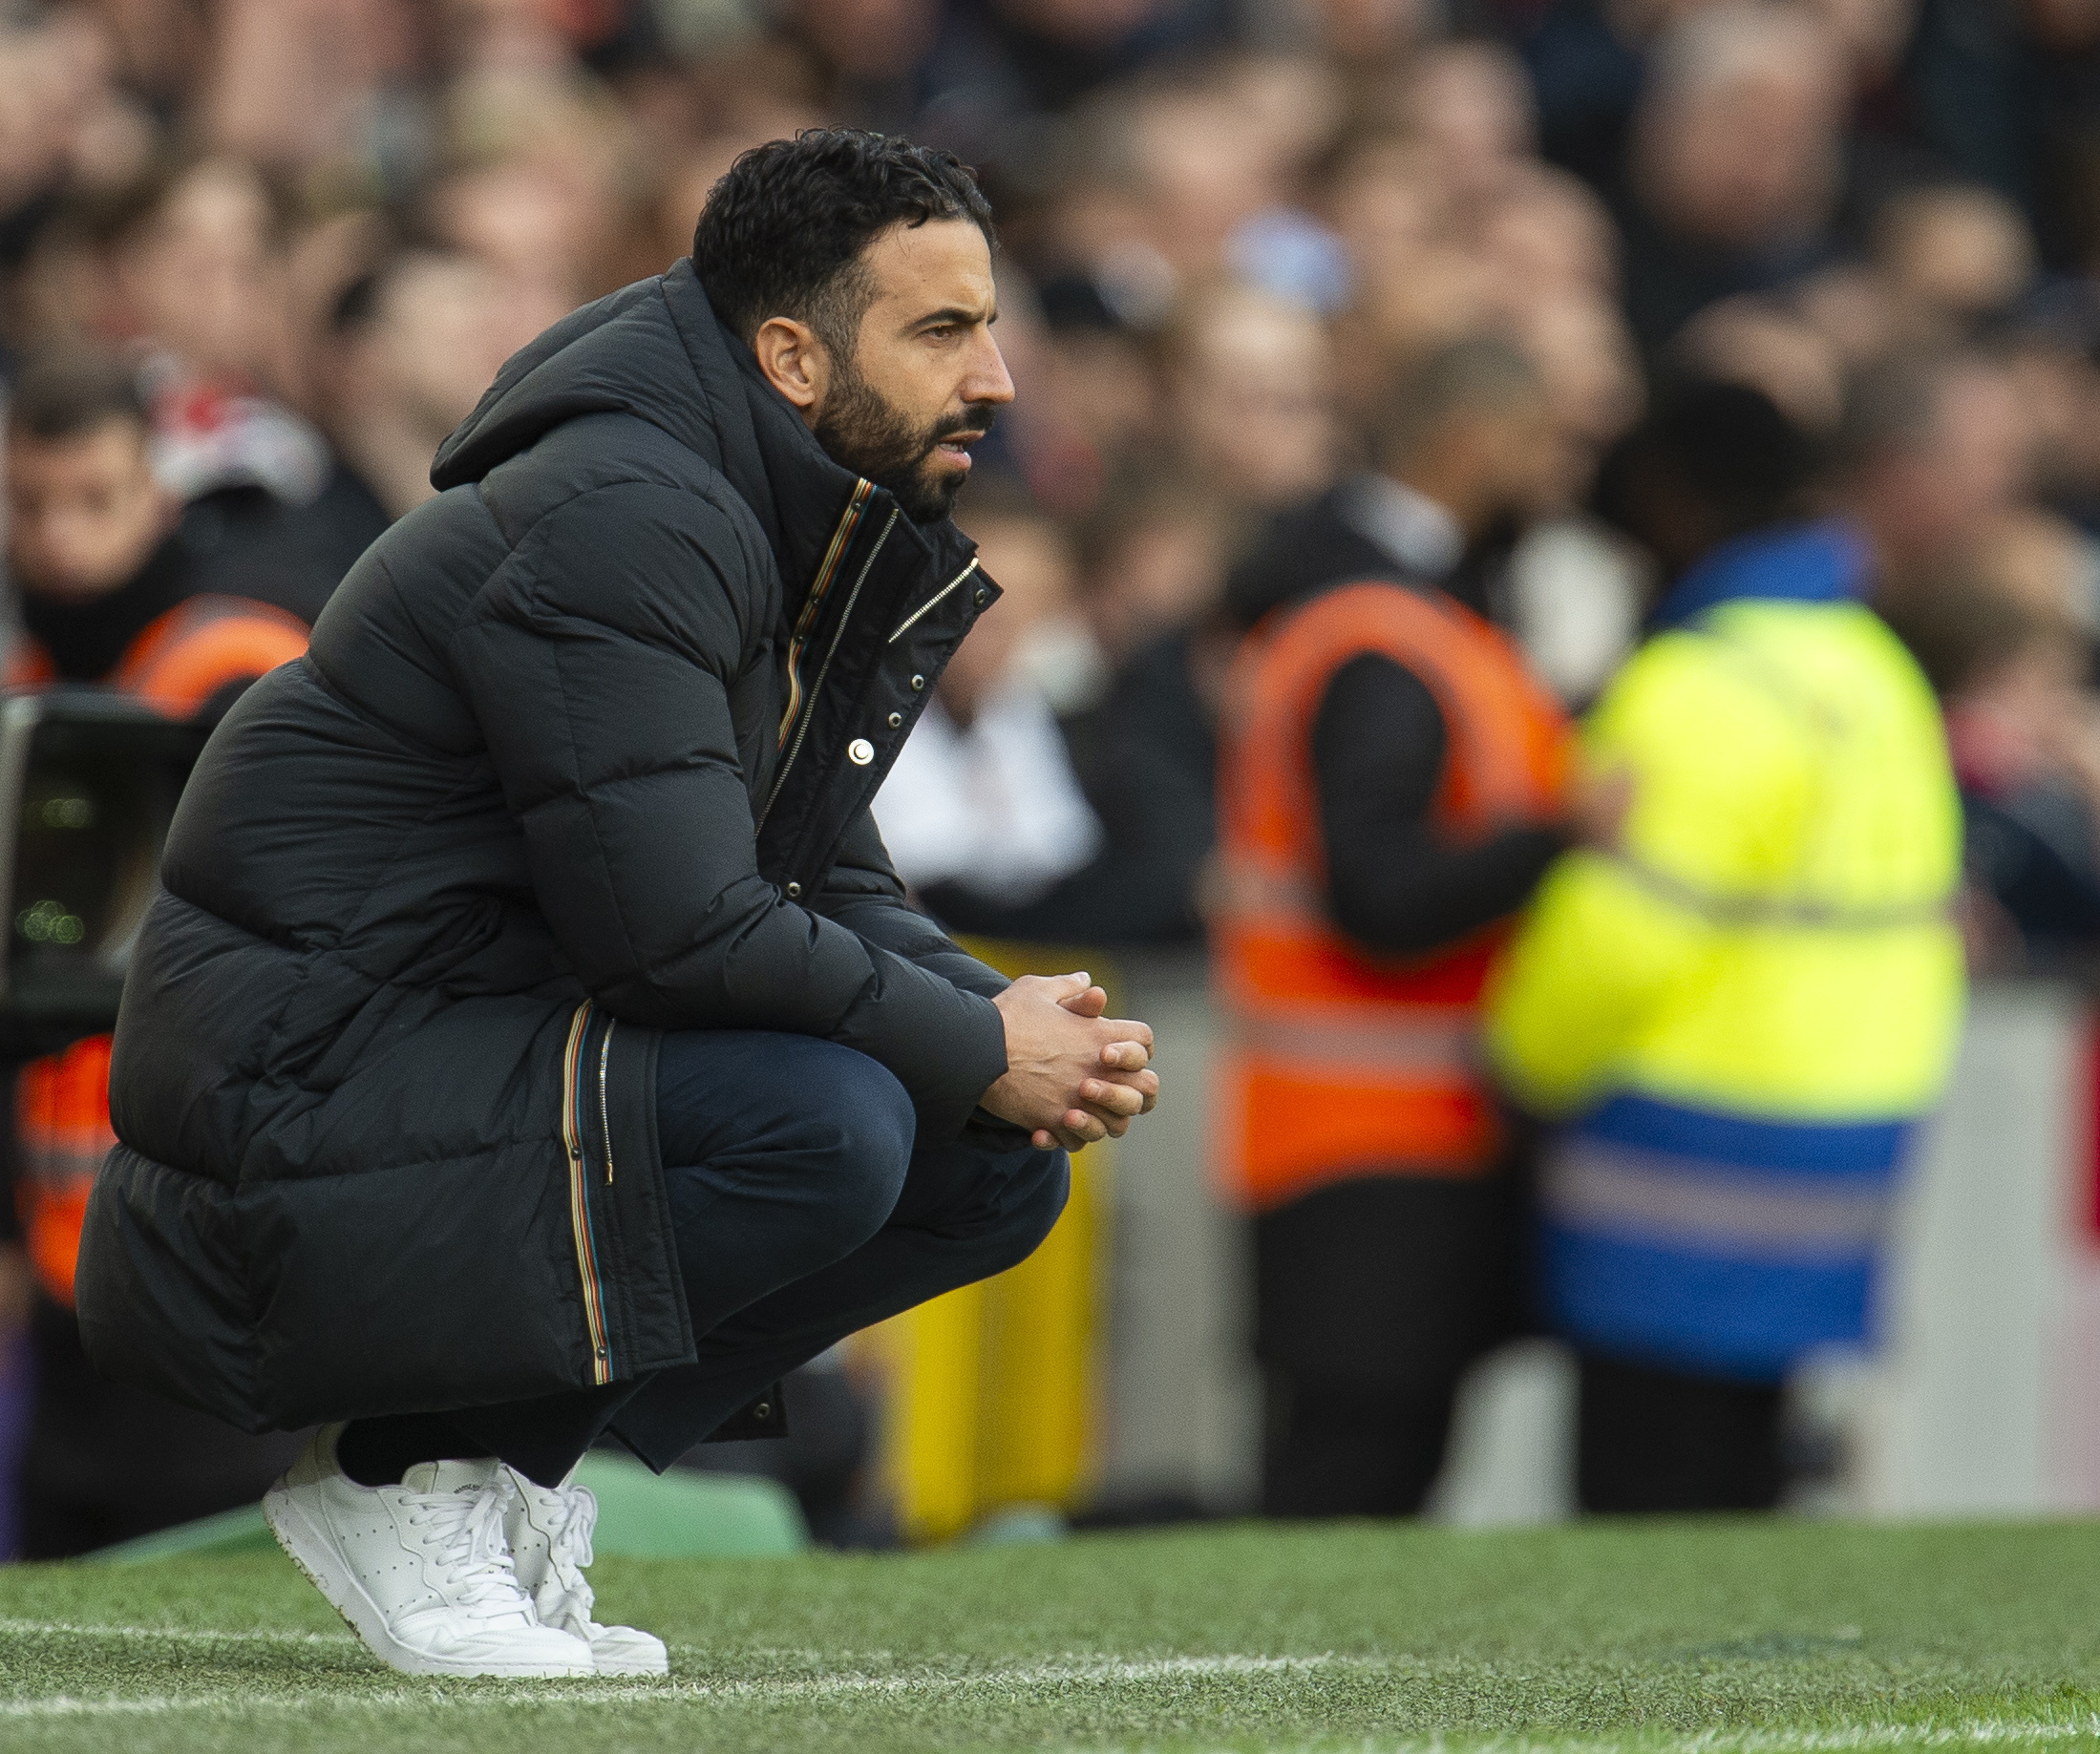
{"x": 932, "y": 493}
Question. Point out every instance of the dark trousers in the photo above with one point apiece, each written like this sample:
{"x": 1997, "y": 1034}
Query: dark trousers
{"x": 1650, "y": 1439}
{"x": 805, "y": 1211}
{"x": 1371, "y": 1297}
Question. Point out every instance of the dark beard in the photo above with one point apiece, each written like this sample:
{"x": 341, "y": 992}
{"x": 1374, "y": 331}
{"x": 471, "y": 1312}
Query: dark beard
{"x": 862, "y": 431}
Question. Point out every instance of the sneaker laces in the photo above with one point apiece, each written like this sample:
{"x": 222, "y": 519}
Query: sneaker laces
{"x": 572, "y": 1512}
{"x": 467, "y": 1549}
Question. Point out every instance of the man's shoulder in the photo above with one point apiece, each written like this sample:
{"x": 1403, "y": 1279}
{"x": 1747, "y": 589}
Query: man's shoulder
{"x": 620, "y": 493}
{"x": 595, "y": 457}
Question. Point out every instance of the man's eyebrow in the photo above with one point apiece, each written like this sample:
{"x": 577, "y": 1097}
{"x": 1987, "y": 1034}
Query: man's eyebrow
{"x": 956, "y": 313}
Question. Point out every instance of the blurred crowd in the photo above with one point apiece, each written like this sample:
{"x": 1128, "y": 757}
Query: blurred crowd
{"x": 311, "y": 230}
{"x": 317, "y": 226}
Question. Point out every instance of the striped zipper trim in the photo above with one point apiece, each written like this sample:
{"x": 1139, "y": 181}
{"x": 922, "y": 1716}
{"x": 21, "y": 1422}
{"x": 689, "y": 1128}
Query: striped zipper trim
{"x": 805, "y": 624}
{"x": 838, "y": 636}
{"x": 580, "y": 1222}
{"x": 932, "y": 602}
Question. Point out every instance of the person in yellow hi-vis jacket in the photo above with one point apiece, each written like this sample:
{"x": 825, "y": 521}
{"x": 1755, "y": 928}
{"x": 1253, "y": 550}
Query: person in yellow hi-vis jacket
{"x": 1739, "y": 997}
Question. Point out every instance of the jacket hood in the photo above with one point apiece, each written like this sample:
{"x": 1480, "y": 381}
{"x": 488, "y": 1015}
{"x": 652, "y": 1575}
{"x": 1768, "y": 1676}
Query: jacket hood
{"x": 656, "y": 350}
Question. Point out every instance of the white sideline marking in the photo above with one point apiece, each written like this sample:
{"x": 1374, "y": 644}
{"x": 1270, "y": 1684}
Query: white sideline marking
{"x": 1979, "y": 1732}
{"x": 1101, "y": 1670}
{"x": 188, "y": 1635}
{"x": 1975, "y": 1732}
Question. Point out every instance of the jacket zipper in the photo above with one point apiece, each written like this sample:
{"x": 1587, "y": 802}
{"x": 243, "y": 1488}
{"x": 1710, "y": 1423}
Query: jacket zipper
{"x": 931, "y": 603}
{"x": 579, "y": 1223}
{"x": 805, "y": 624}
{"x": 604, "y": 1106}
{"x": 830, "y": 651}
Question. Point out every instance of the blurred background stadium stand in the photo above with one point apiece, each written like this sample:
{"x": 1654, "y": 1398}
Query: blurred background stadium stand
{"x": 307, "y": 232}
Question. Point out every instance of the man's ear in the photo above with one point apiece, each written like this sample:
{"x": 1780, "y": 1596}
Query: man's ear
{"x": 794, "y": 362}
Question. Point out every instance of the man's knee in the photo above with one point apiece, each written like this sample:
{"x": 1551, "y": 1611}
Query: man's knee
{"x": 789, "y": 1117}
{"x": 856, "y": 1128}
{"x": 1039, "y": 1203}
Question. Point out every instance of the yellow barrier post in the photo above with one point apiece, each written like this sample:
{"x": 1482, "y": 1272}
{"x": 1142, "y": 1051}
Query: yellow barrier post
{"x": 990, "y": 1393}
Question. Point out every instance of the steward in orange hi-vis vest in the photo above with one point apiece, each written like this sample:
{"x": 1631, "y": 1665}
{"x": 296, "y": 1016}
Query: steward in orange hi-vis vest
{"x": 1341, "y": 1064}
{"x": 201, "y": 649}
{"x": 186, "y": 663}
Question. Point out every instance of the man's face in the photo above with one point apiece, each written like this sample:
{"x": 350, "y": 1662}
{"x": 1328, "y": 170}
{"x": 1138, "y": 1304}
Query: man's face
{"x": 84, "y": 514}
{"x": 925, "y": 377}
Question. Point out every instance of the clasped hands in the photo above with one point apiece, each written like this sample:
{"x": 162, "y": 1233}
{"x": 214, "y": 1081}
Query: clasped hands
{"x": 1073, "y": 1076}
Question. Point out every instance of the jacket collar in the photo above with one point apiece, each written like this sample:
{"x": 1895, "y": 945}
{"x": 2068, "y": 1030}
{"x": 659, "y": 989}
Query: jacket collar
{"x": 1818, "y": 563}
{"x": 1410, "y": 528}
{"x": 656, "y": 350}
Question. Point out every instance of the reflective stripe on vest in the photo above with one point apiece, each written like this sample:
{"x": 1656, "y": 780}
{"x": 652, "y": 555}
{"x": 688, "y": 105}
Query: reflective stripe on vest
{"x": 1339, "y": 1062}
{"x": 1671, "y": 1202}
{"x": 183, "y": 657}
{"x": 203, "y": 645}
{"x": 62, "y": 1132}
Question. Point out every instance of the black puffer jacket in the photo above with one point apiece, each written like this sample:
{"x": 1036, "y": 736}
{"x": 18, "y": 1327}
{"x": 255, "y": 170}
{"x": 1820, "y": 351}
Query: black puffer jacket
{"x": 582, "y": 751}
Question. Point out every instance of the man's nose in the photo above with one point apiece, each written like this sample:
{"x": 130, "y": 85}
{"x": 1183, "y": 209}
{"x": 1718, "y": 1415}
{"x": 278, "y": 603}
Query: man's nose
{"x": 988, "y": 379}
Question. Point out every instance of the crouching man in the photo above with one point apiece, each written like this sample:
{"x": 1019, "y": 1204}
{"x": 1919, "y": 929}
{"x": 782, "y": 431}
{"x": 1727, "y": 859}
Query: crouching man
{"x": 532, "y": 1040}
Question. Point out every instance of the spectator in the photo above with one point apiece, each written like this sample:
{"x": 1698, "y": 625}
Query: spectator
{"x": 1953, "y": 255}
{"x": 417, "y": 343}
{"x": 1388, "y": 795}
{"x": 983, "y": 803}
{"x": 1765, "y": 344}
{"x": 998, "y": 66}
{"x": 1144, "y": 750}
{"x": 1250, "y": 380}
{"x": 196, "y": 252}
{"x": 1156, "y": 561}
{"x": 1737, "y": 998}
{"x": 1470, "y": 107}
{"x": 105, "y": 588}
{"x": 2050, "y": 348}
{"x": 1931, "y": 450}
{"x": 2006, "y": 642}
{"x": 537, "y": 177}
{"x": 1736, "y": 165}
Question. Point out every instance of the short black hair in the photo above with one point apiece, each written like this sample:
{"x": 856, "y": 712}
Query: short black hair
{"x": 68, "y": 393}
{"x": 1726, "y": 446}
{"x": 1480, "y": 375}
{"x": 782, "y": 232}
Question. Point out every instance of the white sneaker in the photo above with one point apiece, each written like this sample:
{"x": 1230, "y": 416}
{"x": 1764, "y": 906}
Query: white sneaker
{"x": 550, "y": 1529}
{"x": 421, "y": 1570}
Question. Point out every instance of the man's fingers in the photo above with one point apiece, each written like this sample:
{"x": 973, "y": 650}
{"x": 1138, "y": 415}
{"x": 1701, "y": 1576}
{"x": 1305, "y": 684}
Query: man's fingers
{"x": 1088, "y": 1002}
{"x": 1103, "y": 1125}
{"x": 1127, "y": 1031}
{"x": 1106, "y": 1098}
{"x": 1087, "y": 1127}
{"x": 1143, "y": 1080}
{"x": 1126, "y": 1056}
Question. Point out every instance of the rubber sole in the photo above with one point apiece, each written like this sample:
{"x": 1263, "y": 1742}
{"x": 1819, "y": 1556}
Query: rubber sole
{"x": 631, "y": 1661}
{"x": 311, "y": 1549}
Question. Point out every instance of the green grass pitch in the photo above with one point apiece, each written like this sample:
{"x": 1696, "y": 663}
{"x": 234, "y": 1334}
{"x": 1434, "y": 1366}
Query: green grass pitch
{"x": 1763, "y": 1638}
